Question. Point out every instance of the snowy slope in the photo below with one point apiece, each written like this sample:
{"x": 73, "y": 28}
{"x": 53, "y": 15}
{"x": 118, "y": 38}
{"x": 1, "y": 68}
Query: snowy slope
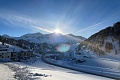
{"x": 105, "y": 43}
{"x": 115, "y": 52}
{"x": 11, "y": 47}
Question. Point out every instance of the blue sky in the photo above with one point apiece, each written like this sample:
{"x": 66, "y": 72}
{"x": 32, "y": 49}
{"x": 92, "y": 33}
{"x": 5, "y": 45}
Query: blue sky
{"x": 79, "y": 17}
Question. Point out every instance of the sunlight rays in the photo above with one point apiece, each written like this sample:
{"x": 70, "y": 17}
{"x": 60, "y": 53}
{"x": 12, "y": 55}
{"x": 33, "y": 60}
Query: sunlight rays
{"x": 17, "y": 20}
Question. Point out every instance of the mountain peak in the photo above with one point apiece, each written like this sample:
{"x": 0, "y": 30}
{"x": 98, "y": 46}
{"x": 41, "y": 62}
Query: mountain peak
{"x": 5, "y": 35}
{"x": 50, "y": 38}
{"x": 70, "y": 34}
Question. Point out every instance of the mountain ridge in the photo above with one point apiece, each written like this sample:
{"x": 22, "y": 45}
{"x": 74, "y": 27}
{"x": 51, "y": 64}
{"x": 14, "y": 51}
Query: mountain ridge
{"x": 50, "y": 38}
{"x": 104, "y": 42}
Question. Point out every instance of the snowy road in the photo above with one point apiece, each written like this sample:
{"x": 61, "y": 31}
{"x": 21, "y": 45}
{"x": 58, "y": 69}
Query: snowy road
{"x": 58, "y": 73}
{"x": 66, "y": 74}
{"x": 5, "y": 73}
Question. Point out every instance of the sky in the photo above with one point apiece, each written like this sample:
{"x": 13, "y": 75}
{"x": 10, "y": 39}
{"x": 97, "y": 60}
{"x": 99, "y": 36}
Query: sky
{"x": 78, "y": 17}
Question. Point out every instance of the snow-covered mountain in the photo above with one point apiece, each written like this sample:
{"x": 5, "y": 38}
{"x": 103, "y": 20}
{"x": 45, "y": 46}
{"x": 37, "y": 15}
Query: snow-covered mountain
{"x": 51, "y": 38}
{"x": 41, "y": 42}
{"x": 5, "y": 35}
{"x": 105, "y": 42}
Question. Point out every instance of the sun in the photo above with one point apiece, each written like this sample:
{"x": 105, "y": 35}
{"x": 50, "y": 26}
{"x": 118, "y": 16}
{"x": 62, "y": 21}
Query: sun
{"x": 57, "y": 31}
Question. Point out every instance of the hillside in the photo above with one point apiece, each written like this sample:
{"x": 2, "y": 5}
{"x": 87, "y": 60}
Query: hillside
{"x": 38, "y": 48}
{"x": 104, "y": 42}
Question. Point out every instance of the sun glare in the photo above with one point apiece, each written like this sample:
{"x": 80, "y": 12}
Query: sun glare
{"x": 57, "y": 31}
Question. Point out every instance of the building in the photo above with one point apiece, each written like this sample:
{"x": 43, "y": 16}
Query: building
{"x": 13, "y": 53}
{"x": 5, "y": 53}
{"x": 21, "y": 55}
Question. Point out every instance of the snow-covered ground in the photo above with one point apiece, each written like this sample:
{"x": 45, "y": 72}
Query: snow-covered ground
{"x": 49, "y": 72}
{"x": 5, "y": 73}
{"x": 100, "y": 66}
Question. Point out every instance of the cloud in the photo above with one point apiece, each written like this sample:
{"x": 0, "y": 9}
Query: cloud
{"x": 16, "y": 20}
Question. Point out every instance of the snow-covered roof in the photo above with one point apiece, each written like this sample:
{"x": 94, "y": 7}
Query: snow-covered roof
{"x": 11, "y": 48}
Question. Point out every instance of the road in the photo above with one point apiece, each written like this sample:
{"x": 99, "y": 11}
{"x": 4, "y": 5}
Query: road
{"x": 53, "y": 72}
{"x": 62, "y": 73}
